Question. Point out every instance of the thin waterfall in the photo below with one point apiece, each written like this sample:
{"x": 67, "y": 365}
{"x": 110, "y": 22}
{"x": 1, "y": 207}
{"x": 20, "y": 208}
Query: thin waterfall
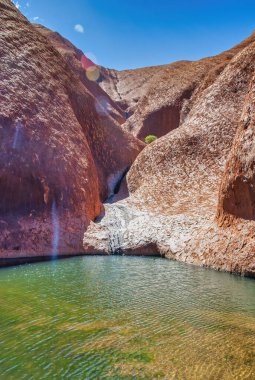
{"x": 115, "y": 232}
{"x": 55, "y": 230}
{"x": 18, "y": 127}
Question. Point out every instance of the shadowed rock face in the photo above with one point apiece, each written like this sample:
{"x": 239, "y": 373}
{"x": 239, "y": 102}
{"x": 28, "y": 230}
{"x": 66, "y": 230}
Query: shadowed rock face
{"x": 160, "y": 122}
{"x": 59, "y": 155}
{"x": 237, "y": 192}
{"x": 174, "y": 183}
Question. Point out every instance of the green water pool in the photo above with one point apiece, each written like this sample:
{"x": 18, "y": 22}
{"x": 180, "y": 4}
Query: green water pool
{"x": 125, "y": 318}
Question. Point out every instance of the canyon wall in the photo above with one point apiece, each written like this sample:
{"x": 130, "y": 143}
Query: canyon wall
{"x": 237, "y": 194}
{"x": 71, "y": 136}
{"x": 158, "y": 99}
{"x": 174, "y": 183}
{"x": 60, "y": 155}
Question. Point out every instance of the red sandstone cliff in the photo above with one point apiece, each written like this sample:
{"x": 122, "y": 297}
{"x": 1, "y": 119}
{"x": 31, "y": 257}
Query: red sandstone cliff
{"x": 60, "y": 153}
{"x": 63, "y": 151}
{"x": 174, "y": 182}
{"x": 87, "y": 71}
{"x": 237, "y": 192}
{"x": 158, "y": 99}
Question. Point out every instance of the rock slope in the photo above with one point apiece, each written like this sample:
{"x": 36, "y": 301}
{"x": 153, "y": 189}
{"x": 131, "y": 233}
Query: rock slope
{"x": 60, "y": 153}
{"x": 237, "y": 195}
{"x": 158, "y": 99}
{"x": 86, "y": 70}
{"x": 174, "y": 183}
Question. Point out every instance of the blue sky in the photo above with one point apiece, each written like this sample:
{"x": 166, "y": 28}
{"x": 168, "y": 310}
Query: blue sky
{"x": 135, "y": 33}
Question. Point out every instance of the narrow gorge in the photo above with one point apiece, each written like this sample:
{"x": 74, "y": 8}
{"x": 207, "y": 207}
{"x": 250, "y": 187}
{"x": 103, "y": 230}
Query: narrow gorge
{"x": 127, "y": 193}
{"x": 76, "y": 176}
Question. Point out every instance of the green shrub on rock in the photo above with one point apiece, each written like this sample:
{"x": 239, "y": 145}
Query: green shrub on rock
{"x": 149, "y": 139}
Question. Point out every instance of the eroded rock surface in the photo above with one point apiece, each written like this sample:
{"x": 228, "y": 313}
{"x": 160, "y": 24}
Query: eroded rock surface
{"x": 87, "y": 71}
{"x": 65, "y": 148}
{"x": 158, "y": 99}
{"x": 174, "y": 183}
{"x": 60, "y": 157}
{"x": 237, "y": 193}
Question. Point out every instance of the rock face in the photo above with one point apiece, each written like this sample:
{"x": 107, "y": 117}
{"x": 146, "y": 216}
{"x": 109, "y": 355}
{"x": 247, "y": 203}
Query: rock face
{"x": 174, "y": 183}
{"x": 237, "y": 195}
{"x": 86, "y": 70}
{"x": 66, "y": 147}
{"x": 60, "y": 153}
{"x": 158, "y": 99}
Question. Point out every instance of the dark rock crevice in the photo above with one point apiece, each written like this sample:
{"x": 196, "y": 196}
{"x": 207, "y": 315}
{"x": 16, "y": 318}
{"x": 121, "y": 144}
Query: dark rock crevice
{"x": 167, "y": 118}
{"x": 160, "y": 122}
{"x": 117, "y": 185}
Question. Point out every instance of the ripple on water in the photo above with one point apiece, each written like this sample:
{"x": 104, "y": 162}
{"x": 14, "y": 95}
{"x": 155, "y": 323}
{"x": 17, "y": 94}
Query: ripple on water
{"x": 125, "y": 318}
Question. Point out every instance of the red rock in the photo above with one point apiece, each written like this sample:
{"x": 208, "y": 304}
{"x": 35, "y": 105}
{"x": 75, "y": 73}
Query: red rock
{"x": 237, "y": 192}
{"x": 59, "y": 156}
{"x": 191, "y": 192}
{"x": 159, "y": 98}
{"x": 87, "y": 71}
{"x": 174, "y": 182}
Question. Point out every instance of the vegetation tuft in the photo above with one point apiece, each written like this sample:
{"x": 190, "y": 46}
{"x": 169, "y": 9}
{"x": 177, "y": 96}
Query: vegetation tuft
{"x": 149, "y": 139}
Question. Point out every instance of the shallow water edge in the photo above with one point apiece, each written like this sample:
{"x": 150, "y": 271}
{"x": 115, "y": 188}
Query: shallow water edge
{"x": 11, "y": 262}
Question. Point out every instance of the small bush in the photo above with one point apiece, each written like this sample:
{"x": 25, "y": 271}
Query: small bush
{"x": 149, "y": 139}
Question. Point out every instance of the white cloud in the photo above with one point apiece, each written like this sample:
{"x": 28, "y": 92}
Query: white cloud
{"x": 27, "y": 5}
{"x": 79, "y": 28}
{"x": 17, "y": 5}
{"x": 35, "y": 18}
